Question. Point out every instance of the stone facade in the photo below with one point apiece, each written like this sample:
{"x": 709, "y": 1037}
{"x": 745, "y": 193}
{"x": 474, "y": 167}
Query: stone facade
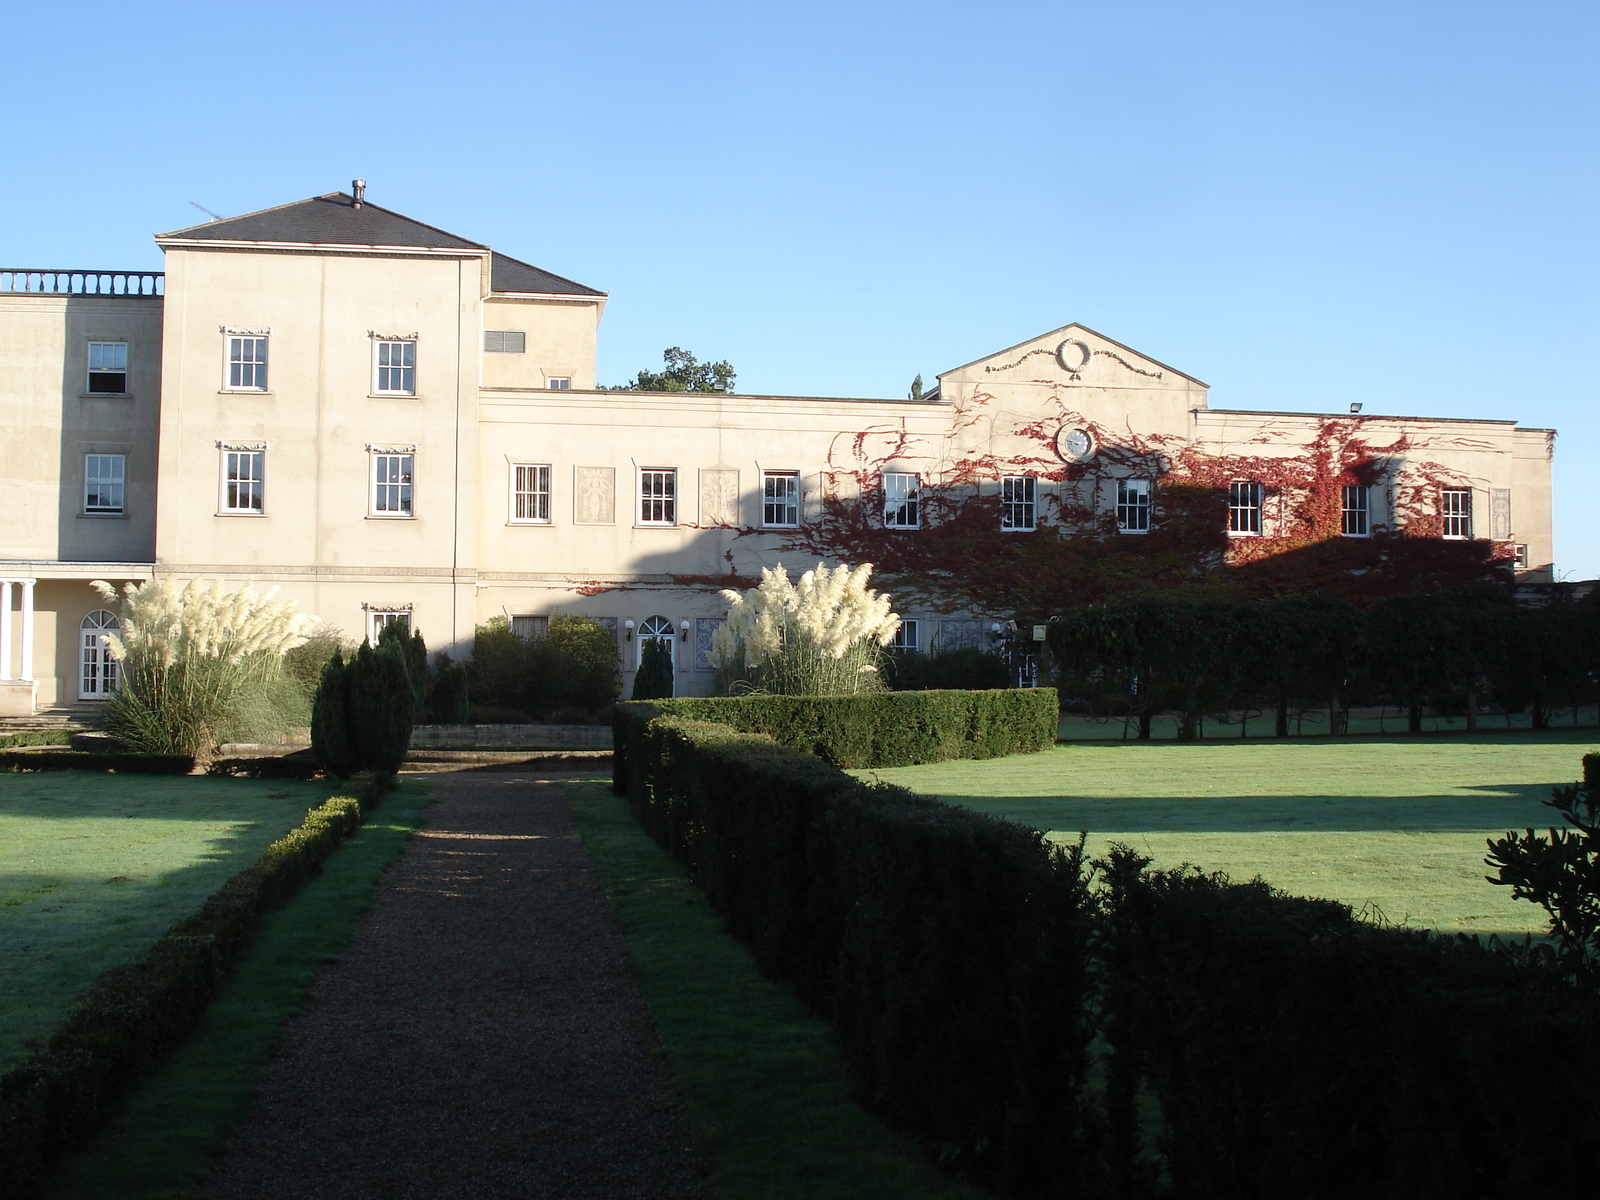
{"x": 380, "y": 418}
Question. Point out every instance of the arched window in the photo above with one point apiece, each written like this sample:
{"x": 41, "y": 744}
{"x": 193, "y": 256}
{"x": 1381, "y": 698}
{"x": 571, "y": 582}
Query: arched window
{"x": 97, "y": 670}
{"x": 656, "y": 629}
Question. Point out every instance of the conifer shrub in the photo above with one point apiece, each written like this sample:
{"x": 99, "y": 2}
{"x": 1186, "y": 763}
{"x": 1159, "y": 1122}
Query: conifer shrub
{"x": 331, "y": 741}
{"x": 381, "y": 706}
{"x": 653, "y": 679}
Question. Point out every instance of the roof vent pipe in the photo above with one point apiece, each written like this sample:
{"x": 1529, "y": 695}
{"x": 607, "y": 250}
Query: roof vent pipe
{"x": 359, "y": 187}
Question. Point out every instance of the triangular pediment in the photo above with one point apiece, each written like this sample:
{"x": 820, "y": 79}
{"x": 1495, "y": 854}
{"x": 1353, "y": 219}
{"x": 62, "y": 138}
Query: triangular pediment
{"x": 1072, "y": 354}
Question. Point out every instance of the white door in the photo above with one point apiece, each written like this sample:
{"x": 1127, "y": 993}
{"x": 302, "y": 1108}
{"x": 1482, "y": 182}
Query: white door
{"x": 97, "y": 670}
{"x": 658, "y": 629}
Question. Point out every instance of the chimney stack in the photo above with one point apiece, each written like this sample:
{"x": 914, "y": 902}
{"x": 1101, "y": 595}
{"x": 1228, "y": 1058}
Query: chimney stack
{"x": 359, "y": 187}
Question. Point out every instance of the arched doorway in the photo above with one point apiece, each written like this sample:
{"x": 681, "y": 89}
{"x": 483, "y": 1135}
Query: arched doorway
{"x": 98, "y": 672}
{"x": 657, "y": 629}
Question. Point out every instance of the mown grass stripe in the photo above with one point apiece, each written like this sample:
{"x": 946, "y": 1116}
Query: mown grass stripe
{"x": 762, "y": 1082}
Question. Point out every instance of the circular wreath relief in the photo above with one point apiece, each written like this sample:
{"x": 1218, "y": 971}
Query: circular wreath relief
{"x": 1072, "y": 349}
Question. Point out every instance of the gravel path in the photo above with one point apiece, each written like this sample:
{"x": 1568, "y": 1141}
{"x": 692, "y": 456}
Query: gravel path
{"x": 479, "y": 1037}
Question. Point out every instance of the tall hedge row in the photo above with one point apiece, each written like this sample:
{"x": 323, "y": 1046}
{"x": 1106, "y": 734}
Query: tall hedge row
{"x": 1248, "y": 1044}
{"x": 948, "y": 948}
{"x": 890, "y": 729}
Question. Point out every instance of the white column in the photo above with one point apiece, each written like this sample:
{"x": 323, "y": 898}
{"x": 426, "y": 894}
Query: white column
{"x": 27, "y": 628}
{"x": 5, "y": 629}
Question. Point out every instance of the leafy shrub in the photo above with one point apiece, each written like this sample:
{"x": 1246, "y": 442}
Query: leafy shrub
{"x": 449, "y": 702}
{"x": 304, "y": 663}
{"x": 822, "y": 636}
{"x": 893, "y": 729}
{"x": 1561, "y": 874}
{"x": 580, "y": 664}
{"x": 574, "y": 665}
{"x": 966, "y": 669}
{"x": 134, "y": 1015}
{"x": 653, "y": 680}
{"x": 88, "y": 760}
{"x": 949, "y": 949}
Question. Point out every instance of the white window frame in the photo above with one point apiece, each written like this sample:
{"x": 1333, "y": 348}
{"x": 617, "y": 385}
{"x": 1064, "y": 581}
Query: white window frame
{"x": 98, "y": 673}
{"x": 1355, "y": 511}
{"x": 1245, "y": 502}
{"x": 906, "y": 637}
{"x": 780, "y": 495}
{"x": 531, "y": 482}
{"x": 1455, "y": 513}
{"x": 658, "y": 497}
{"x": 377, "y": 618}
{"x": 232, "y": 459}
{"x": 530, "y": 627}
{"x": 94, "y": 468}
{"x": 1133, "y": 505}
{"x": 1519, "y": 555}
{"x": 381, "y": 347}
{"x": 237, "y": 366}
{"x": 407, "y": 489}
{"x": 558, "y": 383}
{"x": 90, "y": 370}
{"x": 1019, "y": 503}
{"x": 902, "y": 500}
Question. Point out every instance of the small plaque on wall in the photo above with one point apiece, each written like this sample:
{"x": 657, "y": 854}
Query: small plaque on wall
{"x": 594, "y": 495}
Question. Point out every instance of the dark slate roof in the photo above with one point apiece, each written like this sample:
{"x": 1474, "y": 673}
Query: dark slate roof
{"x": 509, "y": 275}
{"x": 332, "y": 220}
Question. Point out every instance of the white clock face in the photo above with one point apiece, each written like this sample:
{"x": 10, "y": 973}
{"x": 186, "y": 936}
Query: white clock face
{"x": 1075, "y": 445}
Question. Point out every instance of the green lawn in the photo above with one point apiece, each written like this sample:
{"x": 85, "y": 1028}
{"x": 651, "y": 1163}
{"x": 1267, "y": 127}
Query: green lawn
{"x": 162, "y": 1142}
{"x": 1394, "y": 824}
{"x": 93, "y": 867}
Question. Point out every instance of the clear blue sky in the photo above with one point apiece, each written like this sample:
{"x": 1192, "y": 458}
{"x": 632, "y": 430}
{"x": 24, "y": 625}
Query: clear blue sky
{"x": 1303, "y": 204}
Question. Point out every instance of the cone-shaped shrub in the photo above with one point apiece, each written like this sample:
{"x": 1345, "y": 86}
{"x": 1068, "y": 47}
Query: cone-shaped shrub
{"x": 414, "y": 652}
{"x": 381, "y": 706}
{"x": 330, "y": 721}
{"x": 450, "y": 705}
{"x": 653, "y": 681}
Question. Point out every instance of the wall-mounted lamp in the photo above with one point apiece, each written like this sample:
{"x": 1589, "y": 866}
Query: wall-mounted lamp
{"x": 628, "y": 625}
{"x": 685, "y": 628}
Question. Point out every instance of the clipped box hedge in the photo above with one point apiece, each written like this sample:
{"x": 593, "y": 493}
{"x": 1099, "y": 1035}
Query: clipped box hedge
{"x": 30, "y": 737}
{"x": 889, "y": 729}
{"x": 88, "y": 760}
{"x": 299, "y": 767}
{"x": 949, "y": 949}
{"x": 135, "y": 1014}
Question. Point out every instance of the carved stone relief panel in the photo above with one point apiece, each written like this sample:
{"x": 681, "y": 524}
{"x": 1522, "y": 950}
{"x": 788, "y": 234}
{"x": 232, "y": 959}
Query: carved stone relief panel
{"x": 705, "y": 628}
{"x": 719, "y": 498}
{"x": 594, "y": 495}
{"x": 1500, "y": 514}
{"x": 959, "y": 635}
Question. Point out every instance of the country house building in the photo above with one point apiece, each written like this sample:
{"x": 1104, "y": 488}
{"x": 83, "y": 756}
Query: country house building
{"x": 393, "y": 423}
